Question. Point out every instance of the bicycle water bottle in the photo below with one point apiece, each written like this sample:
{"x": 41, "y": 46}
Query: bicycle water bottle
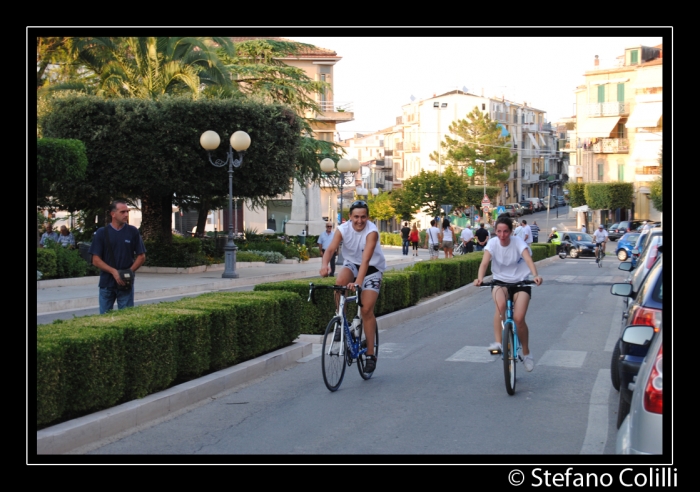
{"x": 356, "y": 322}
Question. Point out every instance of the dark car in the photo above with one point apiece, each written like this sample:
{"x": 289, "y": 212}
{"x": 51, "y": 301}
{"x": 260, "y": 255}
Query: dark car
{"x": 643, "y": 243}
{"x": 576, "y": 244}
{"x": 528, "y": 207}
{"x": 623, "y": 227}
{"x": 625, "y": 245}
{"x": 644, "y": 308}
{"x": 561, "y": 201}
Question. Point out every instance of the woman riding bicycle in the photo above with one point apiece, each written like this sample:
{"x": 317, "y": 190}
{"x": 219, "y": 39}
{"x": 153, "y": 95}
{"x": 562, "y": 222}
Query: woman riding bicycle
{"x": 363, "y": 265}
{"x": 511, "y": 262}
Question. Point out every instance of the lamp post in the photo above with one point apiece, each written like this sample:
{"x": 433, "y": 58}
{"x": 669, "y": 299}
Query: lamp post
{"x": 239, "y": 142}
{"x": 490, "y": 161}
{"x": 340, "y": 177}
{"x": 440, "y": 107}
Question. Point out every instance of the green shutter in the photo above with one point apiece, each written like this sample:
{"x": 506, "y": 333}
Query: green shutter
{"x": 620, "y": 92}
{"x": 634, "y": 57}
{"x": 601, "y": 93}
{"x": 620, "y": 172}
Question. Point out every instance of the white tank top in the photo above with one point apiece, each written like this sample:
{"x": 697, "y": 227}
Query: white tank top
{"x": 447, "y": 234}
{"x": 354, "y": 244}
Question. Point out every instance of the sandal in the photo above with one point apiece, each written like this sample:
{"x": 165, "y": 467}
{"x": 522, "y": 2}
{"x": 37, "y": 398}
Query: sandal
{"x": 370, "y": 364}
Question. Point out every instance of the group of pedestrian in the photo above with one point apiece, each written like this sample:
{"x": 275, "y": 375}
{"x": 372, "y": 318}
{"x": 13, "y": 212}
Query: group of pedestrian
{"x": 65, "y": 238}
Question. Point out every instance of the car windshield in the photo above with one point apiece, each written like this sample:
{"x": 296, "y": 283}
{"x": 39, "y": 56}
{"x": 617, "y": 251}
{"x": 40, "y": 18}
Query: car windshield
{"x": 580, "y": 236}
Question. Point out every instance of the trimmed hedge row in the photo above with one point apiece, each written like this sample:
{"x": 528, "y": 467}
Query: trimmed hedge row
{"x": 90, "y": 363}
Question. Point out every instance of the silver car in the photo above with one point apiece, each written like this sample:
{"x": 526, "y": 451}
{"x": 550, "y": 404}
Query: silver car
{"x": 641, "y": 432}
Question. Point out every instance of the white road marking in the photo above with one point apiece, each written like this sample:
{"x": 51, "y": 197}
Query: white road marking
{"x": 473, "y": 354}
{"x": 597, "y": 430}
{"x": 562, "y": 358}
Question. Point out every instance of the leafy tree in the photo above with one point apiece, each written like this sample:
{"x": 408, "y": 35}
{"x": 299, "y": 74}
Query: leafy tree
{"x": 656, "y": 187}
{"x": 403, "y": 204}
{"x": 381, "y": 207}
{"x": 430, "y": 190}
{"x": 576, "y": 193}
{"x": 608, "y": 196}
{"x": 478, "y": 137}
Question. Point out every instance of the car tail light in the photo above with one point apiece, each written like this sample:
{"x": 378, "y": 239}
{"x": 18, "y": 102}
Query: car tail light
{"x": 653, "y": 393}
{"x": 646, "y": 316}
{"x": 652, "y": 256}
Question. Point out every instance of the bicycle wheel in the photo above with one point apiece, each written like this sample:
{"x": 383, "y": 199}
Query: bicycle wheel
{"x": 333, "y": 363}
{"x": 362, "y": 358}
{"x": 509, "y": 357}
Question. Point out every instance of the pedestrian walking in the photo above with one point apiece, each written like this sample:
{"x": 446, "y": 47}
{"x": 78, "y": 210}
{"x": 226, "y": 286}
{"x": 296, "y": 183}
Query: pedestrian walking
{"x": 405, "y": 231}
{"x": 414, "y": 237}
{"x": 535, "y": 231}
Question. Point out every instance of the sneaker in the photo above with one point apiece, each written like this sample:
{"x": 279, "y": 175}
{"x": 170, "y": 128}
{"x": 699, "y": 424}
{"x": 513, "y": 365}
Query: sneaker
{"x": 370, "y": 364}
{"x": 529, "y": 363}
{"x": 495, "y": 348}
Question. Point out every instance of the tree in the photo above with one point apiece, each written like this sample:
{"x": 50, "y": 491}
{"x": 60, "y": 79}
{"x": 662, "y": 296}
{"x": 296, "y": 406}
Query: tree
{"x": 576, "y": 193}
{"x": 656, "y": 187}
{"x": 403, "y": 204}
{"x": 478, "y": 137}
{"x": 381, "y": 207}
{"x": 608, "y": 196}
{"x": 429, "y": 190}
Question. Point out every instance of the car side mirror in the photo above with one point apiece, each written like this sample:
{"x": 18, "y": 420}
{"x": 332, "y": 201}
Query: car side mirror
{"x": 635, "y": 251}
{"x": 638, "y": 334}
{"x": 623, "y": 290}
{"x": 625, "y": 266}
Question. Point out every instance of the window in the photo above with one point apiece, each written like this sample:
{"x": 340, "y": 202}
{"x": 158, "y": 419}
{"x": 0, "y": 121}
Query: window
{"x": 650, "y": 170}
{"x": 620, "y": 171}
{"x": 620, "y": 131}
{"x": 620, "y": 92}
{"x": 483, "y": 106}
{"x": 601, "y": 93}
{"x": 601, "y": 167}
{"x": 634, "y": 57}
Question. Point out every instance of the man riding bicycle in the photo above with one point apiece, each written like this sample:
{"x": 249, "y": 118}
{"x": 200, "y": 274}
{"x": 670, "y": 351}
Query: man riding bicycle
{"x": 510, "y": 262}
{"x": 601, "y": 237}
{"x": 363, "y": 265}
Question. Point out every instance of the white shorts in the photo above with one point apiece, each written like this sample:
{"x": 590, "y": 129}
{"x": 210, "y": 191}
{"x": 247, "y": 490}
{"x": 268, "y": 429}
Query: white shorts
{"x": 373, "y": 281}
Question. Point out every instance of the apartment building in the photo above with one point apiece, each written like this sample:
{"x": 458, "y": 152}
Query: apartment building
{"x": 618, "y": 131}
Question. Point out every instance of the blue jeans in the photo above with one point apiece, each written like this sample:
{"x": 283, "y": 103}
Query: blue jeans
{"x": 124, "y": 298}
{"x": 406, "y": 244}
{"x": 478, "y": 247}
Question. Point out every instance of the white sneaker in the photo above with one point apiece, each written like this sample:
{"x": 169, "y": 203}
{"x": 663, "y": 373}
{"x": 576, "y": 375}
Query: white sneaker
{"x": 529, "y": 363}
{"x": 495, "y": 348}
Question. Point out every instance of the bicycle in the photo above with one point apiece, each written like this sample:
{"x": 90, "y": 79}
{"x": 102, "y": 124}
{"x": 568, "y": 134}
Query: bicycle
{"x": 341, "y": 346}
{"x": 509, "y": 340}
{"x": 600, "y": 255}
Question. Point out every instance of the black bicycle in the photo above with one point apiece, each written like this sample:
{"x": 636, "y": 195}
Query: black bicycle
{"x": 341, "y": 344}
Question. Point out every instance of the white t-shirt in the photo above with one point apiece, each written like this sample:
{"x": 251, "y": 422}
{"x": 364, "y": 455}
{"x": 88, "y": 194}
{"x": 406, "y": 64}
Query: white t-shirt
{"x": 526, "y": 231}
{"x": 447, "y": 234}
{"x": 507, "y": 263}
{"x": 599, "y": 235}
{"x": 518, "y": 231}
{"x": 467, "y": 235}
{"x": 433, "y": 235}
{"x": 354, "y": 244}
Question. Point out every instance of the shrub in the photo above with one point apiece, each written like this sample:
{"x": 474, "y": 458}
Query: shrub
{"x": 46, "y": 262}
{"x": 246, "y": 256}
{"x": 183, "y": 252}
{"x": 268, "y": 256}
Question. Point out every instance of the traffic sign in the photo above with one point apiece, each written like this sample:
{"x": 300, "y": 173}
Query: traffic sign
{"x": 485, "y": 201}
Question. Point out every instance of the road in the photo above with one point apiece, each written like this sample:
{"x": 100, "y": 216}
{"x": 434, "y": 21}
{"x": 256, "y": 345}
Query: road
{"x": 436, "y": 391}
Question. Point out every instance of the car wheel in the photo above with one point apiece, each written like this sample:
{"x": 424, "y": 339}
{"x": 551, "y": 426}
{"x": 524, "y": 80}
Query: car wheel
{"x": 573, "y": 252}
{"x": 622, "y": 255}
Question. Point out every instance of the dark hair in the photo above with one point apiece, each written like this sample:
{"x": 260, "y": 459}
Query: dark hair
{"x": 432, "y": 222}
{"x": 445, "y": 223}
{"x": 524, "y": 221}
{"x": 359, "y": 204}
{"x": 505, "y": 220}
{"x": 113, "y": 205}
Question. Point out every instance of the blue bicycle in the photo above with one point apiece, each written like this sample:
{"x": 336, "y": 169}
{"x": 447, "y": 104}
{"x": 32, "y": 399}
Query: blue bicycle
{"x": 511, "y": 352}
{"x": 341, "y": 344}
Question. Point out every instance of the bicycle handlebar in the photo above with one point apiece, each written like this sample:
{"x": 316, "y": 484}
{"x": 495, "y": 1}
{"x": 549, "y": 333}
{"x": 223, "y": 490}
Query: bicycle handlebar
{"x": 498, "y": 283}
{"x": 340, "y": 288}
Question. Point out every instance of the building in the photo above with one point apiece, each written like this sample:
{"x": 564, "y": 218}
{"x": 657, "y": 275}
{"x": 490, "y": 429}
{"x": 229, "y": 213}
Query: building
{"x": 619, "y": 130}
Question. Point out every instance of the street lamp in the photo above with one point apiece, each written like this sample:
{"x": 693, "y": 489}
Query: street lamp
{"x": 490, "y": 161}
{"x": 440, "y": 107}
{"x": 340, "y": 177}
{"x": 239, "y": 142}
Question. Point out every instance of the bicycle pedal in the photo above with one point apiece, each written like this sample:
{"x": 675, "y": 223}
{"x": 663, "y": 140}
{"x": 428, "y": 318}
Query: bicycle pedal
{"x": 495, "y": 352}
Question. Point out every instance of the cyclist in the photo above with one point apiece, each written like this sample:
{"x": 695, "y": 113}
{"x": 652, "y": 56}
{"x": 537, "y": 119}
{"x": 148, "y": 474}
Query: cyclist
{"x": 363, "y": 265}
{"x": 601, "y": 237}
{"x": 510, "y": 262}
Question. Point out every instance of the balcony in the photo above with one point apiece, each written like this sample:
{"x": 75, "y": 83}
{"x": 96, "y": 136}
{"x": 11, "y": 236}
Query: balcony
{"x": 388, "y": 152}
{"x": 608, "y": 109}
{"x": 611, "y": 146}
{"x": 399, "y": 146}
{"x": 335, "y": 111}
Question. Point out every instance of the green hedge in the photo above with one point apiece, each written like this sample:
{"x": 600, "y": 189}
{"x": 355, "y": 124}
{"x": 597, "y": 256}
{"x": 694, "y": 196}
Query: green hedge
{"x": 183, "y": 252}
{"x": 90, "y": 363}
{"x": 56, "y": 261}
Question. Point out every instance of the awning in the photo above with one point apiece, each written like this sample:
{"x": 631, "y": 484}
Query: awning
{"x": 610, "y": 81}
{"x": 645, "y": 153}
{"x": 598, "y": 127}
{"x": 534, "y": 142}
{"x": 582, "y": 208}
{"x": 648, "y": 77}
{"x": 645, "y": 115}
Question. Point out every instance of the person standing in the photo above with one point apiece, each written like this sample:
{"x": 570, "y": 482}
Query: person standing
{"x": 117, "y": 246}
{"x": 535, "y": 231}
{"x": 66, "y": 238}
{"x": 447, "y": 238}
{"x": 583, "y": 228}
{"x": 510, "y": 263}
{"x": 467, "y": 238}
{"x": 526, "y": 234}
{"x": 324, "y": 241}
{"x": 363, "y": 264}
{"x": 433, "y": 238}
{"x": 48, "y": 234}
{"x": 405, "y": 231}
{"x": 415, "y": 238}
{"x": 518, "y": 230}
{"x": 482, "y": 237}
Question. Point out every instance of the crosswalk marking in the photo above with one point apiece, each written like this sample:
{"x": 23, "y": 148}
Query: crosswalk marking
{"x": 562, "y": 358}
{"x": 472, "y": 354}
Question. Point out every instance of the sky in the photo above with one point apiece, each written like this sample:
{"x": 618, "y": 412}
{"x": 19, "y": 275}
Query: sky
{"x": 378, "y": 75}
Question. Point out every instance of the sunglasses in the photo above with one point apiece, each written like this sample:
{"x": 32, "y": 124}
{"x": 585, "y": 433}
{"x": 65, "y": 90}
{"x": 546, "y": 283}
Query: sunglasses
{"x": 329, "y": 227}
{"x": 358, "y": 204}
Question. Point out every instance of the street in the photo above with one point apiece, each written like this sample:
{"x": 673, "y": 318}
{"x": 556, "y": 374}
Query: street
{"x": 436, "y": 390}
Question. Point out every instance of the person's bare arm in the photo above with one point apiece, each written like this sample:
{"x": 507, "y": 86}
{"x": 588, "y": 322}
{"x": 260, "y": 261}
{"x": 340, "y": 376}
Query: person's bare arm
{"x": 99, "y": 263}
{"x": 330, "y": 250}
{"x": 140, "y": 259}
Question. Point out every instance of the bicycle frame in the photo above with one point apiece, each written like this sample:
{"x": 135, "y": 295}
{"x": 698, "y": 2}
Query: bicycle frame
{"x": 509, "y": 319}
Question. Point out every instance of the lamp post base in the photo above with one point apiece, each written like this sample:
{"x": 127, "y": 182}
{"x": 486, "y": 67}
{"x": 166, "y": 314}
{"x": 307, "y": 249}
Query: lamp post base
{"x": 230, "y": 261}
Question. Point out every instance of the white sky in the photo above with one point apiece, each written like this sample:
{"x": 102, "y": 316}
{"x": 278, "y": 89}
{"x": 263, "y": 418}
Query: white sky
{"x": 379, "y": 74}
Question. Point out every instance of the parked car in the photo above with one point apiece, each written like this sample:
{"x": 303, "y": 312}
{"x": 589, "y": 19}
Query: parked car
{"x": 645, "y": 258}
{"x": 510, "y": 210}
{"x": 576, "y": 244}
{"x": 641, "y": 431}
{"x": 528, "y": 207}
{"x": 640, "y": 247}
{"x": 518, "y": 209}
{"x": 561, "y": 201}
{"x": 623, "y": 227}
{"x": 625, "y": 245}
{"x": 537, "y": 204}
{"x": 650, "y": 223}
{"x": 643, "y": 309}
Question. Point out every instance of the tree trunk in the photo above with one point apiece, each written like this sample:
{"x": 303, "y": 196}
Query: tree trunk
{"x": 156, "y": 214}
{"x": 204, "y": 206}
